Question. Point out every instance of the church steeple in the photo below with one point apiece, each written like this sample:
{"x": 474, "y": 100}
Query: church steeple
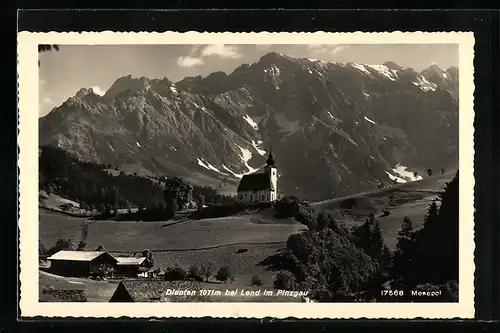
{"x": 270, "y": 160}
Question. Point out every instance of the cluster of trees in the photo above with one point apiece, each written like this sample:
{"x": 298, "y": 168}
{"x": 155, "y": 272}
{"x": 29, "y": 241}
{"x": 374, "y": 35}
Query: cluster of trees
{"x": 63, "y": 244}
{"x": 355, "y": 265}
{"x": 430, "y": 255}
{"x": 199, "y": 273}
{"x": 92, "y": 185}
{"x": 95, "y": 188}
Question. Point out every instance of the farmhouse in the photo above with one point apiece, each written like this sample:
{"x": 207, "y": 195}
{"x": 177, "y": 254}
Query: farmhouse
{"x": 130, "y": 266}
{"x": 260, "y": 187}
{"x": 82, "y": 263}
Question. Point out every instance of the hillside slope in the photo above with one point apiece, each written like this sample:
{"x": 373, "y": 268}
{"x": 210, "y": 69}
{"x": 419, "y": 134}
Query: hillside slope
{"x": 353, "y": 122}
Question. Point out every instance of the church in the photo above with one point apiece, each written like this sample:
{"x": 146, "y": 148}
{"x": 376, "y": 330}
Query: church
{"x": 260, "y": 187}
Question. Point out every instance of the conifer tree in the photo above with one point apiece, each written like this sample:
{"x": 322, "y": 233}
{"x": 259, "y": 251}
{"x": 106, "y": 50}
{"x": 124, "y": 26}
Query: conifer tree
{"x": 377, "y": 242}
{"x": 405, "y": 235}
{"x": 402, "y": 272}
{"x": 432, "y": 214}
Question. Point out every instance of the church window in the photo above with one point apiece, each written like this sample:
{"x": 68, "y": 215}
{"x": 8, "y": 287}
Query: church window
{"x": 262, "y": 197}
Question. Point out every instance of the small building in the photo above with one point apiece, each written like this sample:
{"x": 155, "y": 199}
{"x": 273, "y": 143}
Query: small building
{"x": 82, "y": 263}
{"x": 129, "y": 266}
{"x": 260, "y": 187}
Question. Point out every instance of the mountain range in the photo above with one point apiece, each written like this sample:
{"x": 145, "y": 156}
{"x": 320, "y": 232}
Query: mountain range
{"x": 334, "y": 128}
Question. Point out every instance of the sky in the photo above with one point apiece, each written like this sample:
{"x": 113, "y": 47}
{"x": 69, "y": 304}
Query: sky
{"x": 62, "y": 73}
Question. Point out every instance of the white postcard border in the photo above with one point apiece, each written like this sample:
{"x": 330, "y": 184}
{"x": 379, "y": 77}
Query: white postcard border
{"x": 28, "y": 182}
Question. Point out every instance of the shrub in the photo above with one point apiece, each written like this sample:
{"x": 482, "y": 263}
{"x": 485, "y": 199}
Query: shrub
{"x": 81, "y": 246}
{"x": 284, "y": 280}
{"x": 224, "y": 274}
{"x": 292, "y": 206}
{"x": 177, "y": 193}
{"x": 62, "y": 244}
{"x": 207, "y": 269}
{"x": 150, "y": 259}
{"x": 175, "y": 274}
{"x": 256, "y": 281}
{"x": 195, "y": 273}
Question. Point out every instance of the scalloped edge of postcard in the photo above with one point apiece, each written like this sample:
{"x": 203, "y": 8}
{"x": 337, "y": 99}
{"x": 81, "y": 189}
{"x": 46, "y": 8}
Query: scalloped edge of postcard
{"x": 28, "y": 195}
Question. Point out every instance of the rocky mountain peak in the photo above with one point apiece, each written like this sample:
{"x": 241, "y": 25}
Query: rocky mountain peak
{"x": 392, "y": 65}
{"x": 84, "y": 92}
{"x": 277, "y": 59}
{"x": 127, "y": 83}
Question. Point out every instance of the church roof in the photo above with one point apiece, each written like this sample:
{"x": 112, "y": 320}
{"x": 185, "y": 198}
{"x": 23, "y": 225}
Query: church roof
{"x": 256, "y": 182}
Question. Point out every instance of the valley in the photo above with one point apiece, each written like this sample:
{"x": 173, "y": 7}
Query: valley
{"x": 218, "y": 240}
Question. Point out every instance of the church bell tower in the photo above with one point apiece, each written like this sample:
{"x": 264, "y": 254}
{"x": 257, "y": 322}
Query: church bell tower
{"x": 272, "y": 171}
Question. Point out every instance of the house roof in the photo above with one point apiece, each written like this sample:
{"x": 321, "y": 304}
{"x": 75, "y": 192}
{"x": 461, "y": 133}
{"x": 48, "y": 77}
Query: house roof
{"x": 76, "y": 255}
{"x": 141, "y": 290}
{"x": 130, "y": 260}
{"x": 256, "y": 182}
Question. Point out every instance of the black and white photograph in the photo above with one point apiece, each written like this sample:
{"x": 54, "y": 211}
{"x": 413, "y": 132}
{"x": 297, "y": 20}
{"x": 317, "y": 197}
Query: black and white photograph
{"x": 252, "y": 172}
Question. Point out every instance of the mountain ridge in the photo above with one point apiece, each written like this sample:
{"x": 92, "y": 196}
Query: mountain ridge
{"x": 354, "y": 122}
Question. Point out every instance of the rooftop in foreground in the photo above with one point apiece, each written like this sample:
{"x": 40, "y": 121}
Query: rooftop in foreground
{"x": 76, "y": 255}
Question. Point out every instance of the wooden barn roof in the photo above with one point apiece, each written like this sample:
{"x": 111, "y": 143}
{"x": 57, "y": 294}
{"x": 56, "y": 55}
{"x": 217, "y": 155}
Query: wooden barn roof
{"x": 77, "y": 255}
{"x": 130, "y": 261}
{"x": 256, "y": 182}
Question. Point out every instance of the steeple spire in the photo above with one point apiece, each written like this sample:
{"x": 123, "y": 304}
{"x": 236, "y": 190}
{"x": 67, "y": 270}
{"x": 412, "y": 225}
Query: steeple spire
{"x": 270, "y": 160}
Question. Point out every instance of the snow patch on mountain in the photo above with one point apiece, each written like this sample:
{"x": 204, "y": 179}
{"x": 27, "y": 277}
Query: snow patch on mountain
{"x": 319, "y": 73}
{"x": 200, "y": 163}
{"x": 362, "y": 68}
{"x": 273, "y": 71}
{"x": 246, "y": 155}
{"x": 395, "y": 178}
{"x": 251, "y": 122}
{"x": 385, "y": 71}
{"x": 237, "y": 175}
{"x": 209, "y": 166}
{"x": 402, "y": 171}
{"x": 424, "y": 84}
{"x": 369, "y": 120}
{"x": 256, "y": 146}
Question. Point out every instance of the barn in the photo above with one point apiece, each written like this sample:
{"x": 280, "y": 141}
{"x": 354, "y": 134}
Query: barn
{"x": 82, "y": 263}
{"x": 129, "y": 266}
